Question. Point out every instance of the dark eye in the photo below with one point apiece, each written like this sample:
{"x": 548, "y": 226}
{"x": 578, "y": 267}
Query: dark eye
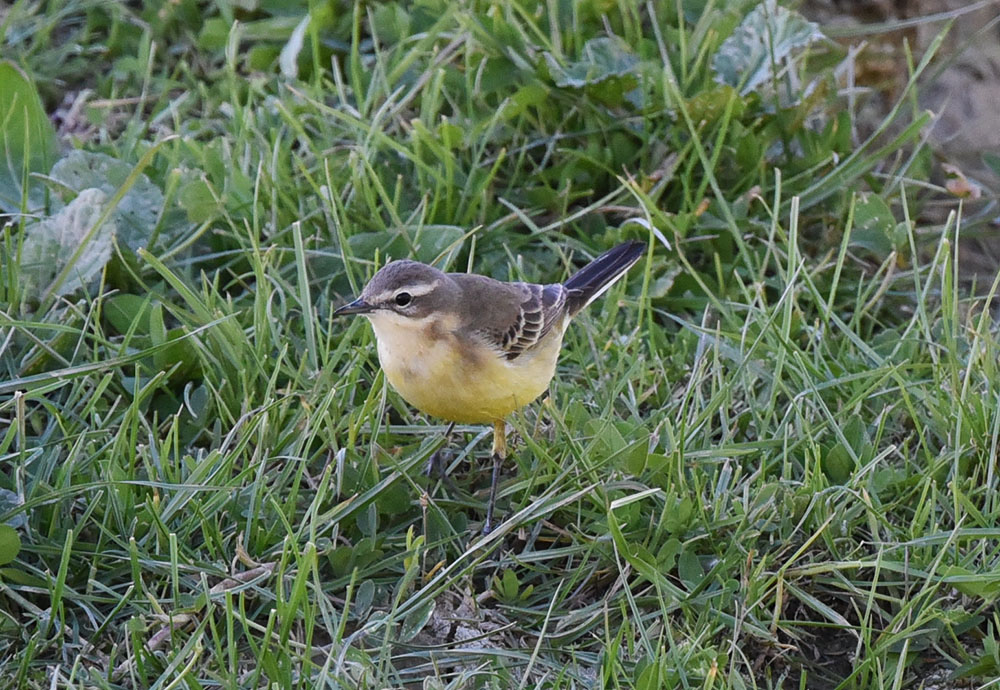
{"x": 403, "y": 298}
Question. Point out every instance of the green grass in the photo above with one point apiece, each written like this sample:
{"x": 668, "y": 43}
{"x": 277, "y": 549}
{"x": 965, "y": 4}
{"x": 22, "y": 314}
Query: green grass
{"x": 768, "y": 458}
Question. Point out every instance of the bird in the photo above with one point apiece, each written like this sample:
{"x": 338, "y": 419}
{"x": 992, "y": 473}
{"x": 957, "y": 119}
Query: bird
{"x": 470, "y": 349}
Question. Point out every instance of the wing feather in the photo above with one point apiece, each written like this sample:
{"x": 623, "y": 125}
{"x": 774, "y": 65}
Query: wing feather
{"x": 510, "y": 318}
{"x": 543, "y": 306}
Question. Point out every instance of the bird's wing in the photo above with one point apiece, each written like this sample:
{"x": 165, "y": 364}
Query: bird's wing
{"x": 543, "y": 306}
{"x": 511, "y": 317}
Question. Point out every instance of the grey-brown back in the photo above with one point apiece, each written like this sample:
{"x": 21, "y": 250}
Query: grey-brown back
{"x": 511, "y": 317}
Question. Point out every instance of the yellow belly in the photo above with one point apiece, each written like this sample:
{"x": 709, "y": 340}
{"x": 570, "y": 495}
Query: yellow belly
{"x": 443, "y": 379}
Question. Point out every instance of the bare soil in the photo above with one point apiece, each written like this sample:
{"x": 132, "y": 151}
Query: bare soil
{"x": 961, "y": 88}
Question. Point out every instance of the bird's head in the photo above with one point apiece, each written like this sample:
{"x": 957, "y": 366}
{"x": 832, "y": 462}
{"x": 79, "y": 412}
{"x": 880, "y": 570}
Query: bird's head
{"x": 407, "y": 289}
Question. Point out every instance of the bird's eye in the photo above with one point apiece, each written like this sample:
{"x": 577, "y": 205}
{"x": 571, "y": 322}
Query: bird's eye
{"x": 403, "y": 298}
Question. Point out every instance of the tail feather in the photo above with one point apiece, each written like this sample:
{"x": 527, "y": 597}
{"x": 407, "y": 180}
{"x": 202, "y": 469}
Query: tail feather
{"x": 592, "y": 280}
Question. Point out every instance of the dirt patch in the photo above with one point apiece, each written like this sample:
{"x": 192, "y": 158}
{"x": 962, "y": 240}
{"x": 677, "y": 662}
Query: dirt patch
{"x": 961, "y": 87}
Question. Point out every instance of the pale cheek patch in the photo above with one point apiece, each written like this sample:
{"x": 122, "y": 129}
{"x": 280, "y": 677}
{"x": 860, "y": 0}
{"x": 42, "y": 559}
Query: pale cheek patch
{"x": 385, "y": 319}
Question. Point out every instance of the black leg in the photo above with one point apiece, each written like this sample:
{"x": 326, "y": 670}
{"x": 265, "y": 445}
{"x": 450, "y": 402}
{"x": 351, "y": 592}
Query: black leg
{"x": 499, "y": 454}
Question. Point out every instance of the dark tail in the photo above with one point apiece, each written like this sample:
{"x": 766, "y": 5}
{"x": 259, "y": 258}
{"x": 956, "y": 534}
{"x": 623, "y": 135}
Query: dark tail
{"x": 592, "y": 280}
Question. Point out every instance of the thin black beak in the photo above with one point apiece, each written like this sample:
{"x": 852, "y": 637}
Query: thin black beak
{"x": 358, "y": 306}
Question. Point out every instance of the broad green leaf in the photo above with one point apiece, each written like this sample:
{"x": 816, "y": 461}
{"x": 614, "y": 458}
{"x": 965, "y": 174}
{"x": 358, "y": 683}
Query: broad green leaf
{"x": 65, "y": 240}
{"x": 525, "y": 97}
{"x": 762, "y": 41}
{"x": 388, "y": 245}
{"x": 667, "y": 555}
{"x": 341, "y": 560}
{"x": 10, "y": 544}
{"x": 711, "y": 104}
{"x": 838, "y": 464}
{"x": 390, "y": 22}
{"x": 197, "y": 199}
{"x": 602, "y": 58}
{"x": 367, "y": 520}
{"x": 874, "y": 225}
{"x": 363, "y": 601}
{"x": 124, "y": 309}
{"x": 972, "y": 583}
{"x": 214, "y": 34}
{"x": 607, "y": 439}
{"x": 27, "y": 138}
{"x": 634, "y": 458}
{"x": 656, "y": 462}
{"x": 17, "y": 576}
{"x": 678, "y": 516}
{"x": 451, "y": 135}
{"x": 689, "y": 568}
{"x": 137, "y": 212}
{"x": 649, "y": 678}
{"x": 416, "y": 620}
{"x": 507, "y": 586}
{"x": 856, "y": 433}
{"x": 434, "y": 242}
{"x": 261, "y": 57}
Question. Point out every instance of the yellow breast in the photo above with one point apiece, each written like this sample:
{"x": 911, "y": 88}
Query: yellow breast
{"x": 458, "y": 380}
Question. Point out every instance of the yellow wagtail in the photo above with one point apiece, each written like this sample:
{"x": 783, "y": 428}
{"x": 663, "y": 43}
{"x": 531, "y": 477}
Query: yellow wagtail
{"x": 471, "y": 349}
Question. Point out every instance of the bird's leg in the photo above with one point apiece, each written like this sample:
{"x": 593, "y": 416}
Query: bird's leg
{"x": 499, "y": 453}
{"x": 438, "y": 459}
